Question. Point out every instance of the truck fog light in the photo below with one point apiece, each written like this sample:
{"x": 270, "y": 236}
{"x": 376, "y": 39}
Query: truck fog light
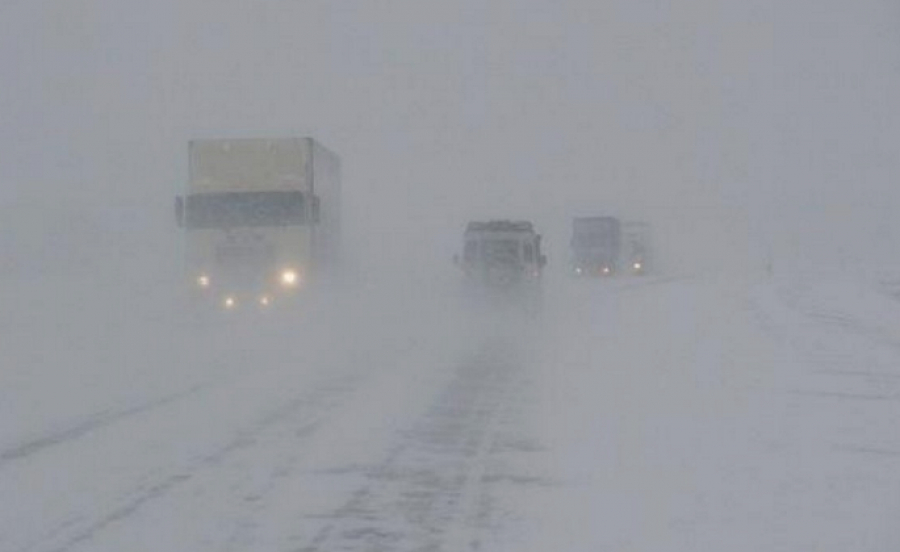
{"x": 203, "y": 281}
{"x": 230, "y": 302}
{"x": 264, "y": 300}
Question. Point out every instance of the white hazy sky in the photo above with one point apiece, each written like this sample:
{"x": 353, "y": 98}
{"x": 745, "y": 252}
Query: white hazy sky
{"x": 739, "y": 126}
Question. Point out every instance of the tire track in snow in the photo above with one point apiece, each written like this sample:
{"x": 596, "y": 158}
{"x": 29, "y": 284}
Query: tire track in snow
{"x": 71, "y": 534}
{"x": 427, "y": 493}
{"x": 867, "y": 450}
{"x": 841, "y": 369}
{"x": 91, "y": 424}
{"x": 868, "y": 374}
{"x": 845, "y": 395}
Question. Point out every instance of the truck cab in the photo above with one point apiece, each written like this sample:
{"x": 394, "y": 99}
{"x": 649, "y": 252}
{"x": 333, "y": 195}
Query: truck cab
{"x": 502, "y": 254}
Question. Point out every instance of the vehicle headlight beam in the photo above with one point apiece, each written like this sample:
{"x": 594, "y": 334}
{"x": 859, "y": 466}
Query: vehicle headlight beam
{"x": 290, "y": 278}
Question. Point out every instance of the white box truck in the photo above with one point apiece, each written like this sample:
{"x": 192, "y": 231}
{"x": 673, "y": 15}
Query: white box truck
{"x": 260, "y": 217}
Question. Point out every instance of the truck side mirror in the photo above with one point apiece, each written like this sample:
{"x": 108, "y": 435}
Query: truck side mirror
{"x": 179, "y": 211}
{"x": 543, "y": 260}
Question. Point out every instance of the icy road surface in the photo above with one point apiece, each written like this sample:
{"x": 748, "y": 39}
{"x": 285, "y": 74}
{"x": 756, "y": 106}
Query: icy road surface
{"x": 658, "y": 414}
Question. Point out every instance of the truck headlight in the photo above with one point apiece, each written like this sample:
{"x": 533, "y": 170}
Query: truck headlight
{"x": 290, "y": 278}
{"x": 637, "y": 266}
{"x": 203, "y": 281}
{"x": 229, "y": 302}
{"x": 264, "y": 301}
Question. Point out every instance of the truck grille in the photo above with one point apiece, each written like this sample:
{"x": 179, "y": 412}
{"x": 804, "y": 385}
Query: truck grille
{"x": 237, "y": 256}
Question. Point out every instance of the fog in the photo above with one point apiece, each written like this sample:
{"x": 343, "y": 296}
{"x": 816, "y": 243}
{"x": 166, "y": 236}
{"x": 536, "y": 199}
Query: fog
{"x": 766, "y": 126}
{"x": 757, "y": 138}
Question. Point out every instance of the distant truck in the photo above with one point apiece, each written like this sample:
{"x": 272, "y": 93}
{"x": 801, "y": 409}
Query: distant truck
{"x": 596, "y": 245}
{"x": 606, "y": 246}
{"x": 502, "y": 254}
{"x": 260, "y": 218}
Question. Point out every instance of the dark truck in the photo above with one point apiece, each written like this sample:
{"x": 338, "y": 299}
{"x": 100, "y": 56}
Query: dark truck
{"x": 596, "y": 245}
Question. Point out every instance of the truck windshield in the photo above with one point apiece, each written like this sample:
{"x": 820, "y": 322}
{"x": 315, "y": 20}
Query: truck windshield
{"x": 245, "y": 209}
{"x": 501, "y": 251}
{"x": 593, "y": 239}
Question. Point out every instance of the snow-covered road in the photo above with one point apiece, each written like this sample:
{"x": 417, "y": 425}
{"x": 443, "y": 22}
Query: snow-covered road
{"x": 702, "y": 413}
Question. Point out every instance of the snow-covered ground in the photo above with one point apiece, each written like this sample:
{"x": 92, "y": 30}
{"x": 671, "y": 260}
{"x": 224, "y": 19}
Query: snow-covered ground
{"x": 696, "y": 413}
